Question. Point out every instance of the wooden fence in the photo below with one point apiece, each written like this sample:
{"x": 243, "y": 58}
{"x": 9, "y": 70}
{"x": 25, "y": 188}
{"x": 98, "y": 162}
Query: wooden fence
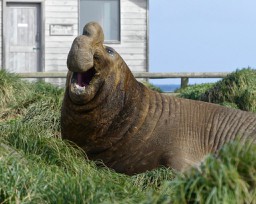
{"x": 184, "y": 76}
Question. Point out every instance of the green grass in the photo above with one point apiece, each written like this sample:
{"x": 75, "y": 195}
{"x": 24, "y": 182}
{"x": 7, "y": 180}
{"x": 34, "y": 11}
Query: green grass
{"x": 230, "y": 178}
{"x": 194, "y": 91}
{"x": 238, "y": 87}
{"x": 237, "y": 90}
{"x": 152, "y": 86}
{"x": 37, "y": 166}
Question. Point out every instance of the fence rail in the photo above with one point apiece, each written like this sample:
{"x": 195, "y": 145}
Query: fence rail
{"x": 184, "y": 76}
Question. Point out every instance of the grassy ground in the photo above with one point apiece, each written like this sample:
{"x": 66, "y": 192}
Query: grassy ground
{"x": 237, "y": 90}
{"x": 37, "y": 166}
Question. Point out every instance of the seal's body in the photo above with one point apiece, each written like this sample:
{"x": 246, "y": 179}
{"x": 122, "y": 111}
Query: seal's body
{"x": 130, "y": 128}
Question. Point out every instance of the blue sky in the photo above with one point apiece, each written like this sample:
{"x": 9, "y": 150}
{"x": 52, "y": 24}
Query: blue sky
{"x": 201, "y": 36}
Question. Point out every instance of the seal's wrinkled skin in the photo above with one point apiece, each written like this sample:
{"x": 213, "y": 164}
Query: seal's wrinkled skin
{"x": 130, "y": 128}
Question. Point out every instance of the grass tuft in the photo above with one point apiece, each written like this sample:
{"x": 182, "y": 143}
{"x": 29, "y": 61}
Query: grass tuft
{"x": 152, "y": 87}
{"x": 229, "y": 178}
{"x": 12, "y": 89}
{"x": 237, "y": 90}
{"x": 194, "y": 92}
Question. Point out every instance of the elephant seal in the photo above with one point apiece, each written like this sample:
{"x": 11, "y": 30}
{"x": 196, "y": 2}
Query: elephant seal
{"x": 132, "y": 129}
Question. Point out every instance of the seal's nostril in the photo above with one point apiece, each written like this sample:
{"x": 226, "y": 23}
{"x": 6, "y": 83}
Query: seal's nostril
{"x": 85, "y": 32}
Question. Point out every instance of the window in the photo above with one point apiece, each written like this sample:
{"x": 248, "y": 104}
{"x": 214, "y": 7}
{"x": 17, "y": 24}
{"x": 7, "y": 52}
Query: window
{"x": 106, "y": 13}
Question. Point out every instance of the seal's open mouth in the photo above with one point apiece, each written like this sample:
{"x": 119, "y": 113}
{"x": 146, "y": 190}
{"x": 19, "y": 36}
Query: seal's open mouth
{"x": 83, "y": 79}
{"x": 83, "y": 86}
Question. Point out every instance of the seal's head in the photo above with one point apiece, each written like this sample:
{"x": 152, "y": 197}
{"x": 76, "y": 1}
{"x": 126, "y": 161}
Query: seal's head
{"x": 90, "y": 64}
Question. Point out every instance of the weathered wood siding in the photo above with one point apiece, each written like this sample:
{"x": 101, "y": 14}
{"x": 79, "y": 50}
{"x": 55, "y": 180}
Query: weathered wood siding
{"x": 133, "y": 46}
{"x": 57, "y": 47}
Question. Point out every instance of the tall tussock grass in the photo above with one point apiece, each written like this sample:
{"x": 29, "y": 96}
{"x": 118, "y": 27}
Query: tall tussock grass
{"x": 238, "y": 87}
{"x": 37, "y": 166}
{"x": 237, "y": 90}
{"x": 12, "y": 90}
{"x": 31, "y": 102}
{"x": 230, "y": 178}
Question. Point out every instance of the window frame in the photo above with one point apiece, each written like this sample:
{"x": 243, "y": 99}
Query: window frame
{"x": 119, "y": 30}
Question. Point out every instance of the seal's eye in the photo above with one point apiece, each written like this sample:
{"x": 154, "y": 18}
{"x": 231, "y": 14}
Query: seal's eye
{"x": 110, "y": 51}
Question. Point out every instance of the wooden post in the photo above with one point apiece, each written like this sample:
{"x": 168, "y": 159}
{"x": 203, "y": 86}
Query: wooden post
{"x": 184, "y": 82}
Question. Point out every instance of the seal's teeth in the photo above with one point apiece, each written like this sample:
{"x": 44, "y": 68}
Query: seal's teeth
{"x": 97, "y": 74}
{"x": 80, "y": 88}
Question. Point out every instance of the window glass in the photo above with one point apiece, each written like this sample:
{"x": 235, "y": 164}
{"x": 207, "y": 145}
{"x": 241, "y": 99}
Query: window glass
{"x": 106, "y": 13}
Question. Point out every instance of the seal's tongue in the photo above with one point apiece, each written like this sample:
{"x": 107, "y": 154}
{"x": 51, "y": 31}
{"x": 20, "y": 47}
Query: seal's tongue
{"x": 84, "y": 78}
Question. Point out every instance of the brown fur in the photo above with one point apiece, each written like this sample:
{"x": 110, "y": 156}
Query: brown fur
{"x": 132, "y": 129}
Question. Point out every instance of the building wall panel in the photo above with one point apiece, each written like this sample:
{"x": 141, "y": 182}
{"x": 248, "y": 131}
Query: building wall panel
{"x": 132, "y": 47}
{"x": 57, "y": 47}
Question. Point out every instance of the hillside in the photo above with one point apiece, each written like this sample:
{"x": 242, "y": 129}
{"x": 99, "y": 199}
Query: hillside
{"x": 37, "y": 166}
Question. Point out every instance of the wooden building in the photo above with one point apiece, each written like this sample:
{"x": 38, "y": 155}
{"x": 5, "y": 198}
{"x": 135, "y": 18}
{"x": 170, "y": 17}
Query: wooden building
{"x": 36, "y": 35}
